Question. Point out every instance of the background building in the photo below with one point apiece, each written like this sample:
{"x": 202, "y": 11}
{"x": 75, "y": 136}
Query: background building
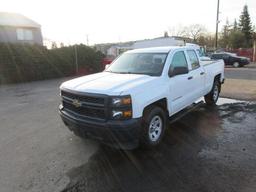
{"x": 117, "y": 49}
{"x": 16, "y": 28}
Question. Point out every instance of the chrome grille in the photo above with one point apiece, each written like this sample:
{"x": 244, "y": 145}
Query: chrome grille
{"x": 91, "y": 106}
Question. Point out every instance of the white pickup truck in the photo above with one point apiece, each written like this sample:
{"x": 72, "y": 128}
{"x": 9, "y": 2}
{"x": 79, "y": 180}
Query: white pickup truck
{"x": 130, "y": 102}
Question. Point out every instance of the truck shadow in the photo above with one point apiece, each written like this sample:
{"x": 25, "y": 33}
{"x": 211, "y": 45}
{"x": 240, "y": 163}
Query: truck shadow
{"x": 175, "y": 165}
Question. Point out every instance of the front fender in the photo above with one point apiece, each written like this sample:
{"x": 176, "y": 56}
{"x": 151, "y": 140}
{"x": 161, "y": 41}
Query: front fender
{"x": 146, "y": 97}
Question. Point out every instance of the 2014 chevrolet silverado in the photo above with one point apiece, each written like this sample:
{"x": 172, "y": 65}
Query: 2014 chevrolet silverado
{"x": 129, "y": 103}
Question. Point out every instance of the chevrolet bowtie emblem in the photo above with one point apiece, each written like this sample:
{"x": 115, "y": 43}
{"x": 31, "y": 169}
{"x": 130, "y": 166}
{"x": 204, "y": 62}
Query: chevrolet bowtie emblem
{"x": 76, "y": 103}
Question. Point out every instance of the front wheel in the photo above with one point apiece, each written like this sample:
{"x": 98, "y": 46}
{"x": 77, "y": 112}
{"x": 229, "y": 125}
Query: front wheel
{"x": 212, "y": 97}
{"x": 153, "y": 126}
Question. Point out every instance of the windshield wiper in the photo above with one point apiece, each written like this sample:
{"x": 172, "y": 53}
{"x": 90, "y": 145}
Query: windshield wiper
{"x": 125, "y": 72}
{"x": 129, "y": 72}
{"x": 117, "y": 72}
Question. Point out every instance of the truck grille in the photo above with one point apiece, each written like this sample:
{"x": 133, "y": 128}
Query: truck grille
{"x": 87, "y": 99}
{"x": 89, "y": 106}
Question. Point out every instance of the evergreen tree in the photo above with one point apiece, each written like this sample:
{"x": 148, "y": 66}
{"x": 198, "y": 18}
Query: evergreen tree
{"x": 225, "y": 33}
{"x": 235, "y": 25}
{"x": 245, "y": 26}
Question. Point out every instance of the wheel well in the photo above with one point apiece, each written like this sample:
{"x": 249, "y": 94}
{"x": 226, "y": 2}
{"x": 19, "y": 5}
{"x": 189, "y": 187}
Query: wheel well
{"x": 218, "y": 77}
{"x": 160, "y": 103}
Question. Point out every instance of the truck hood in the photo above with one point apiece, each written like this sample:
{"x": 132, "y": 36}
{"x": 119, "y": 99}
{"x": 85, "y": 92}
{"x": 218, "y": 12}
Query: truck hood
{"x": 106, "y": 83}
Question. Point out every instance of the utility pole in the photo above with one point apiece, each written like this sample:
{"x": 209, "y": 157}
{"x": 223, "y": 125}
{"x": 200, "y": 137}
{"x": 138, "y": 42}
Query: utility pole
{"x": 254, "y": 50}
{"x": 217, "y": 25}
{"x": 87, "y": 39}
{"x": 76, "y": 62}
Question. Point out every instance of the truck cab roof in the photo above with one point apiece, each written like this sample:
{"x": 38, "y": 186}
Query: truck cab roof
{"x": 166, "y": 49}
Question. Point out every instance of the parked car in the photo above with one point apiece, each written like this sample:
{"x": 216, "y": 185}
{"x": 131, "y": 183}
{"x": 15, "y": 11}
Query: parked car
{"x": 129, "y": 103}
{"x": 231, "y": 59}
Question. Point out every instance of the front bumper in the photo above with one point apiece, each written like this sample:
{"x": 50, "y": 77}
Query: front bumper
{"x": 120, "y": 134}
{"x": 244, "y": 62}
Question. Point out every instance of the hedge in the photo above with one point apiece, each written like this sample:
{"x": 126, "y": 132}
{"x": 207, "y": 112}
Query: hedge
{"x": 23, "y": 62}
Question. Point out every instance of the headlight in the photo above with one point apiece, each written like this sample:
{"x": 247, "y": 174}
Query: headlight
{"x": 121, "y": 101}
{"x": 121, "y": 107}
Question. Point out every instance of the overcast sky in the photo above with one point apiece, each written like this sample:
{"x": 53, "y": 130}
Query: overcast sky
{"x": 70, "y": 21}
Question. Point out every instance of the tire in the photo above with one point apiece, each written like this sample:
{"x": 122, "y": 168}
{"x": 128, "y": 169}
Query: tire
{"x": 154, "y": 124}
{"x": 236, "y": 64}
{"x": 212, "y": 97}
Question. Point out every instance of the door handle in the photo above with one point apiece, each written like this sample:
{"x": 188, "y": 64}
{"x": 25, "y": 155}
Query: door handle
{"x": 191, "y": 77}
{"x": 202, "y": 73}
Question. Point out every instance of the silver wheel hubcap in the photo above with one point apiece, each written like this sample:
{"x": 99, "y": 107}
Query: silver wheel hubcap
{"x": 215, "y": 93}
{"x": 236, "y": 64}
{"x": 155, "y": 128}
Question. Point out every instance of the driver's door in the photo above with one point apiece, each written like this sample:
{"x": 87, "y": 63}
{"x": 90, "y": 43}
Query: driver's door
{"x": 180, "y": 88}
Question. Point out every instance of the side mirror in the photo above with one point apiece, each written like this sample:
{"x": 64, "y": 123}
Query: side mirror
{"x": 178, "y": 71}
{"x": 107, "y": 66}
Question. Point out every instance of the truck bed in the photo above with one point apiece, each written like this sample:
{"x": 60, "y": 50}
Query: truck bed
{"x": 208, "y": 62}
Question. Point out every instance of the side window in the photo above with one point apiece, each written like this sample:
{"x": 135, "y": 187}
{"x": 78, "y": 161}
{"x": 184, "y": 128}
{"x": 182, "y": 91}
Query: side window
{"x": 193, "y": 59}
{"x": 225, "y": 56}
{"x": 24, "y": 34}
{"x": 217, "y": 56}
{"x": 179, "y": 60}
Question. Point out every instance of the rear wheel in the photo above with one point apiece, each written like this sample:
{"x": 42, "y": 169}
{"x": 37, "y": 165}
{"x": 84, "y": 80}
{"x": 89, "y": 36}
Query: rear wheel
{"x": 236, "y": 64}
{"x": 153, "y": 126}
{"x": 212, "y": 97}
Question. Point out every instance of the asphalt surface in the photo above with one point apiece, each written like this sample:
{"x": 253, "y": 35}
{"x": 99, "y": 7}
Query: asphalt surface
{"x": 209, "y": 149}
{"x": 36, "y": 149}
{"x": 240, "y": 73}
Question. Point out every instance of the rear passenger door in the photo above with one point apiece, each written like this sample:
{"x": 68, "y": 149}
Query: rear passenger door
{"x": 196, "y": 75}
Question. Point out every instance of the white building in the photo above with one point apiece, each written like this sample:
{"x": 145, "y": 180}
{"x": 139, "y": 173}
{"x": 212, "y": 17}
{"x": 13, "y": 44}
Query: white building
{"x": 158, "y": 42}
{"x": 116, "y": 50}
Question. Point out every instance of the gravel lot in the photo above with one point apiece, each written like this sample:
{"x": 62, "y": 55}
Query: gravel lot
{"x": 240, "y": 83}
{"x": 210, "y": 149}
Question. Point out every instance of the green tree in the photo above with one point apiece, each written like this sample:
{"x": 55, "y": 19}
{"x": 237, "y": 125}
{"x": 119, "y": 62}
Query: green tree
{"x": 235, "y": 38}
{"x": 25, "y": 62}
{"x": 245, "y": 26}
{"x": 235, "y": 26}
{"x": 225, "y": 33}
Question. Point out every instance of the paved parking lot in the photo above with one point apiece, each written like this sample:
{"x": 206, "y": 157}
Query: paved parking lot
{"x": 210, "y": 149}
{"x": 240, "y": 73}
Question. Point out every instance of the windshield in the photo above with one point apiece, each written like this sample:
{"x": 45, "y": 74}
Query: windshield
{"x": 139, "y": 63}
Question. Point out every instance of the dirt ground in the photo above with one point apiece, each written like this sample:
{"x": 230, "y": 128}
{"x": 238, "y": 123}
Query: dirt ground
{"x": 239, "y": 89}
{"x": 240, "y": 83}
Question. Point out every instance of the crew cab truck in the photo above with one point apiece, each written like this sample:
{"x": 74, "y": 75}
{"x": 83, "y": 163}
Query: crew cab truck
{"x": 129, "y": 103}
